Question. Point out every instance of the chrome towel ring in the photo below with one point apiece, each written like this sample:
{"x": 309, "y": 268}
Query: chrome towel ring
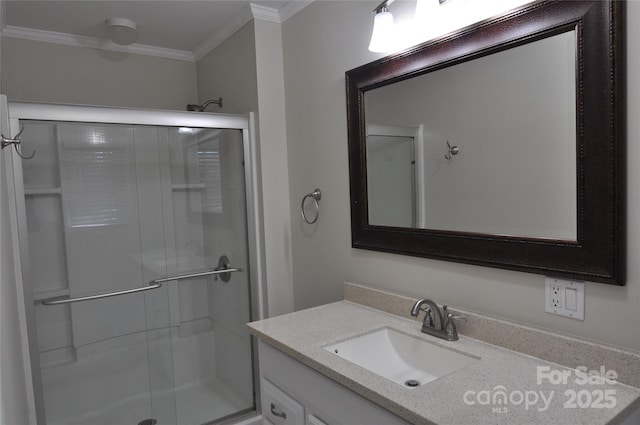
{"x": 316, "y": 195}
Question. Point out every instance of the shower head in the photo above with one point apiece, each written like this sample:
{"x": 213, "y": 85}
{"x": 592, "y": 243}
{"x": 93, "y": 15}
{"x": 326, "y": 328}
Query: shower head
{"x": 200, "y": 108}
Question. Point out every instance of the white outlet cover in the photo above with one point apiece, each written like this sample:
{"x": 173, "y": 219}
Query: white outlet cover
{"x": 557, "y": 303}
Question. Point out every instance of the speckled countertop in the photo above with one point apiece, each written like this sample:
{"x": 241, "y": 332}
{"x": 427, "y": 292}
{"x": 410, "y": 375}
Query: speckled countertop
{"x": 464, "y": 397}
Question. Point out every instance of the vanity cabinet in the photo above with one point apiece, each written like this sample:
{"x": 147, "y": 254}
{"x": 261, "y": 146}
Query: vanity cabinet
{"x": 292, "y": 393}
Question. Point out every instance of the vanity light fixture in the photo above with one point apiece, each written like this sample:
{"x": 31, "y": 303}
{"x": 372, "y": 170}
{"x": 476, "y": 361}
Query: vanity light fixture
{"x": 383, "y": 37}
{"x": 425, "y": 8}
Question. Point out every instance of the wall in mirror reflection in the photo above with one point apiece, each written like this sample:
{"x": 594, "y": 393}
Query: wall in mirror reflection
{"x": 512, "y": 116}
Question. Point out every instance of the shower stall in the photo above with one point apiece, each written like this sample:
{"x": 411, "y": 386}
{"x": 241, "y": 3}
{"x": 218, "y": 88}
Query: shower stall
{"x": 138, "y": 242}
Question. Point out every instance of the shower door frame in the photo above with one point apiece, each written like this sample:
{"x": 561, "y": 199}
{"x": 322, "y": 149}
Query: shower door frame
{"x": 163, "y": 118}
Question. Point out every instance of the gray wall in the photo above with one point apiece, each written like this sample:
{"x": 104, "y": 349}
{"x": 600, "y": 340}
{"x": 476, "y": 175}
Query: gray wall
{"x": 229, "y": 71}
{"x": 35, "y": 71}
{"x": 274, "y": 165}
{"x": 246, "y": 70}
{"x": 322, "y": 42}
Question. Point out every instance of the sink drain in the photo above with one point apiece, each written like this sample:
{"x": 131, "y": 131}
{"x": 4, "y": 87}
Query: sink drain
{"x": 148, "y": 422}
{"x": 411, "y": 383}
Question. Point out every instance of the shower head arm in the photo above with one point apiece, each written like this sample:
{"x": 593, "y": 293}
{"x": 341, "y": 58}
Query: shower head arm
{"x": 201, "y": 108}
{"x": 209, "y": 102}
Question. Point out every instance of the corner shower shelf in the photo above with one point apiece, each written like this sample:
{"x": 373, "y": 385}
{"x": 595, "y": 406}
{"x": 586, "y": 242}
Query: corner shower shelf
{"x": 42, "y": 191}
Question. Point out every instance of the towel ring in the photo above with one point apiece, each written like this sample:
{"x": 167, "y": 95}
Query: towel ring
{"x": 316, "y": 195}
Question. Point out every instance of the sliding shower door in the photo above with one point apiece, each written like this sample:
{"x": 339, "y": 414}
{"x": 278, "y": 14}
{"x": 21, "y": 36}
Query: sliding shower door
{"x": 112, "y": 210}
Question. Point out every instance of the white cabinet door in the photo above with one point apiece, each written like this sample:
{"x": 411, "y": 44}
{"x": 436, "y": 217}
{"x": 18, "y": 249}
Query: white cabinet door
{"x": 278, "y": 407}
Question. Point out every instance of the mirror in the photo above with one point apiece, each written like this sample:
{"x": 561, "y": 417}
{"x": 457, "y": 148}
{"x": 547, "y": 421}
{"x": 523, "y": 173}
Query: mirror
{"x": 490, "y": 109}
{"x": 499, "y": 145}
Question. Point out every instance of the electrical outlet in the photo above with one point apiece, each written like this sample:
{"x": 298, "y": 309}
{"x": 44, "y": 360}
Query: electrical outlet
{"x": 564, "y": 298}
{"x": 555, "y": 296}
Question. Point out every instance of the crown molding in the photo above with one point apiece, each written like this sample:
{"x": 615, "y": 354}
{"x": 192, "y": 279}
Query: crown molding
{"x": 252, "y": 11}
{"x": 94, "y": 43}
{"x": 265, "y": 13}
{"x": 237, "y": 22}
{"x": 279, "y": 16}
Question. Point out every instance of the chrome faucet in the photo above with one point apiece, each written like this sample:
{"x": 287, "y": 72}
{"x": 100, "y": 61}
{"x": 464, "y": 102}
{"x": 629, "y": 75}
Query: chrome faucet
{"x": 437, "y": 323}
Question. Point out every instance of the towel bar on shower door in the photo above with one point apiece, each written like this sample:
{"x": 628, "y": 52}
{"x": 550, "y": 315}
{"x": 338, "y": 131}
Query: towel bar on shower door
{"x": 154, "y": 284}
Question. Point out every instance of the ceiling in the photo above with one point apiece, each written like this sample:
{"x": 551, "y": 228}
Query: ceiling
{"x": 183, "y": 26}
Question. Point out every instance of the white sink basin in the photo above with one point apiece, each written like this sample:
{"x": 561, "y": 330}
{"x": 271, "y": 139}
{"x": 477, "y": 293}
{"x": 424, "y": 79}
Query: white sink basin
{"x": 399, "y": 357}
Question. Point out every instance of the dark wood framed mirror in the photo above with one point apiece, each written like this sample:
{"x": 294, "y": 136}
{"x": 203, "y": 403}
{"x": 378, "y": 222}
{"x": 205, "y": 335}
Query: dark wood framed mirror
{"x": 537, "y": 184}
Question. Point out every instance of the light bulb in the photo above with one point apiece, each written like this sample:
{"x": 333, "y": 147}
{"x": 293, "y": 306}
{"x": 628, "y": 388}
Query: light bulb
{"x": 382, "y": 37}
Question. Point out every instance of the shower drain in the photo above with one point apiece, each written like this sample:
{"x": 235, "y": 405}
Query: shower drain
{"x": 150, "y": 421}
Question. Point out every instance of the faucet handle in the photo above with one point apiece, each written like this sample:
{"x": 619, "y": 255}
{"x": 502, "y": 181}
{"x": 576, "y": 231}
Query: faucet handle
{"x": 452, "y": 316}
{"x": 450, "y": 326}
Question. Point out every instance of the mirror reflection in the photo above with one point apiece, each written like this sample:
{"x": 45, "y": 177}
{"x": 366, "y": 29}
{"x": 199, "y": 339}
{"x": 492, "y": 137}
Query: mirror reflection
{"x": 486, "y": 146}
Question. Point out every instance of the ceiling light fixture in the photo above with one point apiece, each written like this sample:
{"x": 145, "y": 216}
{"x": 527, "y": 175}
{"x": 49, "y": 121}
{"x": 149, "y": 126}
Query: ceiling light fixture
{"x": 122, "y": 31}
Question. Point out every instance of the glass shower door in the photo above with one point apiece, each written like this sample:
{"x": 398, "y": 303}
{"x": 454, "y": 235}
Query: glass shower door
{"x": 212, "y": 349}
{"x": 114, "y": 207}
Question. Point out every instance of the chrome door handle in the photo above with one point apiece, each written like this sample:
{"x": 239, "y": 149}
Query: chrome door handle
{"x": 224, "y": 269}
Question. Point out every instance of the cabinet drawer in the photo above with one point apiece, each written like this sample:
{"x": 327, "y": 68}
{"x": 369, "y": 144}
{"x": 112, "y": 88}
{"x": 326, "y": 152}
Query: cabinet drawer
{"x": 278, "y": 407}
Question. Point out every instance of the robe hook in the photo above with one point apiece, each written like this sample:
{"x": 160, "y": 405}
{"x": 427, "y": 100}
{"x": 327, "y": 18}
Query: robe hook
{"x": 452, "y": 151}
{"x": 15, "y": 141}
